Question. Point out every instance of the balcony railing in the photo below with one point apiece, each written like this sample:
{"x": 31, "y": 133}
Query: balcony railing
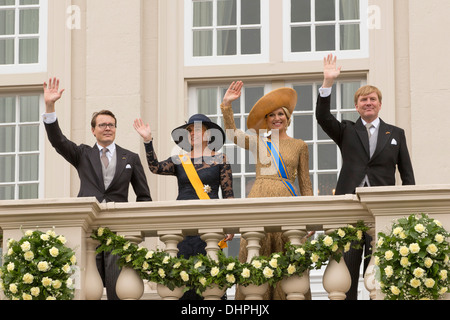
{"x": 76, "y": 218}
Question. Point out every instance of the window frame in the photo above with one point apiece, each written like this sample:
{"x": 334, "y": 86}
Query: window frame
{"x": 41, "y": 65}
{"x": 190, "y": 60}
{"x": 17, "y": 153}
{"x": 313, "y": 55}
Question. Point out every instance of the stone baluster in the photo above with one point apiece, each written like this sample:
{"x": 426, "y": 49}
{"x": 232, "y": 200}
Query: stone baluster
{"x": 253, "y": 237}
{"x": 296, "y": 287}
{"x": 336, "y": 279}
{"x": 212, "y": 239}
{"x": 370, "y": 281}
{"x": 93, "y": 284}
{"x": 294, "y": 234}
{"x": 171, "y": 240}
{"x": 130, "y": 285}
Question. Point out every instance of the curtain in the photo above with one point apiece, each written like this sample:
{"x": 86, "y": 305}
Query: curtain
{"x": 349, "y": 33}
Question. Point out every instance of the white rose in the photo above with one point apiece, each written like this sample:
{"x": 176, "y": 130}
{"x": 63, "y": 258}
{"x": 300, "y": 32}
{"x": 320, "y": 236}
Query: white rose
{"x": 56, "y": 284}
{"x": 414, "y": 247}
{"x": 291, "y": 269}
{"x": 13, "y": 288}
{"x": 389, "y": 271}
{"x": 432, "y": 249}
{"x": 35, "y": 291}
{"x": 273, "y": 263}
{"x": 341, "y": 233}
{"x": 10, "y": 266}
{"x": 29, "y": 255}
{"x": 215, "y": 271}
{"x": 45, "y": 237}
{"x": 257, "y": 264}
{"x": 43, "y": 266}
{"x": 54, "y": 252}
{"x": 419, "y": 228}
{"x": 231, "y": 266}
{"x": 439, "y": 238}
{"x": 429, "y": 283}
{"x": 389, "y": 255}
{"x": 245, "y": 273}
{"x": 404, "y": 251}
{"x": 184, "y": 276}
{"x": 28, "y": 278}
{"x": 230, "y": 278}
{"x": 26, "y": 246}
{"x": 328, "y": 241}
{"x": 267, "y": 272}
{"x": 46, "y": 281}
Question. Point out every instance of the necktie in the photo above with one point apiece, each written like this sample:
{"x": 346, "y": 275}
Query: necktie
{"x": 104, "y": 158}
{"x": 368, "y": 126}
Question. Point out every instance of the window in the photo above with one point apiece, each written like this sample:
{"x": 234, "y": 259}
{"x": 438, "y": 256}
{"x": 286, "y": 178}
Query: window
{"x": 226, "y": 31}
{"x": 20, "y": 145}
{"x": 313, "y": 27}
{"x": 324, "y": 155}
{"x": 23, "y": 35}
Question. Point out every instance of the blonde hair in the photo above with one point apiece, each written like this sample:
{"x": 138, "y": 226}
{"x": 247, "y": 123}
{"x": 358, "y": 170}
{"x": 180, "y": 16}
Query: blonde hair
{"x": 365, "y": 91}
{"x": 288, "y": 115}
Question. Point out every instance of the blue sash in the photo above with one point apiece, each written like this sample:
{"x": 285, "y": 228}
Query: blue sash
{"x": 282, "y": 171}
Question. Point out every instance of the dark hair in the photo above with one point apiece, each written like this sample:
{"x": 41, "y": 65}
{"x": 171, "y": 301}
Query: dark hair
{"x": 102, "y": 112}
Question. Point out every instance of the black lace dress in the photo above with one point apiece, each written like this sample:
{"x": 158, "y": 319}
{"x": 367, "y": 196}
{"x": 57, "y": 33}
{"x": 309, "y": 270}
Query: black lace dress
{"x": 214, "y": 171}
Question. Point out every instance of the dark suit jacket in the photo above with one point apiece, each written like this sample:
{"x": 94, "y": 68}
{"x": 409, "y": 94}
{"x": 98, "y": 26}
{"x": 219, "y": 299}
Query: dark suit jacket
{"x": 86, "y": 160}
{"x": 353, "y": 141}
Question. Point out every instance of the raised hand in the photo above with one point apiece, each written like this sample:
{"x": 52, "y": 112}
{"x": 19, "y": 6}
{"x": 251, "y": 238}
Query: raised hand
{"x": 233, "y": 92}
{"x": 52, "y": 94}
{"x": 143, "y": 129}
{"x": 330, "y": 71}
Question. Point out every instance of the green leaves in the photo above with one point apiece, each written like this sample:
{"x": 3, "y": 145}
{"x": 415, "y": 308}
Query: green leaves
{"x": 413, "y": 257}
{"x": 38, "y": 267}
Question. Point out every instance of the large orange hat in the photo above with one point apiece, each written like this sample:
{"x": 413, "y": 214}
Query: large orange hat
{"x": 282, "y": 97}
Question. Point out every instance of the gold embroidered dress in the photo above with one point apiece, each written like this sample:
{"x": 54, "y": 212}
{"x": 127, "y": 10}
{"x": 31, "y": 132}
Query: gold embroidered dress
{"x": 268, "y": 183}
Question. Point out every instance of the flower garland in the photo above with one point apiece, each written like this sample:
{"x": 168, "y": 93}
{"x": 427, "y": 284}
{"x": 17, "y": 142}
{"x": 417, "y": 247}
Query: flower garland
{"x": 200, "y": 272}
{"x": 38, "y": 267}
{"x": 413, "y": 259}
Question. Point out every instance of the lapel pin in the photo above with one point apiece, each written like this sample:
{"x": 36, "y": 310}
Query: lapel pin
{"x": 388, "y": 132}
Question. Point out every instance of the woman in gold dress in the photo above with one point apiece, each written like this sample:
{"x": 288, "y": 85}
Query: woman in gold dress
{"x": 280, "y": 159}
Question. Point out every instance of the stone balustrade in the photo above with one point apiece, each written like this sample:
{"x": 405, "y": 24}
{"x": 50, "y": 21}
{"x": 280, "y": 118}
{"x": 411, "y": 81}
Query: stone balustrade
{"x": 76, "y": 218}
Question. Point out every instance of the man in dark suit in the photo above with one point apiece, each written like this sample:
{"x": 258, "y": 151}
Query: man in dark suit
{"x": 105, "y": 170}
{"x": 371, "y": 150}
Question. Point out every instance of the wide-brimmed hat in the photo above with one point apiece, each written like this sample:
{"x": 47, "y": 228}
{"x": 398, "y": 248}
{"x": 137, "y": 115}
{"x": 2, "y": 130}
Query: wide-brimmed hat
{"x": 217, "y": 136}
{"x": 282, "y": 97}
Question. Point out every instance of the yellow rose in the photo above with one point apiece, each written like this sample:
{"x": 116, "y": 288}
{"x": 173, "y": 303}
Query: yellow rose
{"x": 341, "y": 233}
{"x": 443, "y": 275}
{"x": 257, "y": 264}
{"x": 202, "y": 281}
{"x": 26, "y": 296}
{"x": 273, "y": 263}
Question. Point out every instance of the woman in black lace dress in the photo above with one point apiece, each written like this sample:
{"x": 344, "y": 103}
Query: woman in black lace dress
{"x": 200, "y": 138}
